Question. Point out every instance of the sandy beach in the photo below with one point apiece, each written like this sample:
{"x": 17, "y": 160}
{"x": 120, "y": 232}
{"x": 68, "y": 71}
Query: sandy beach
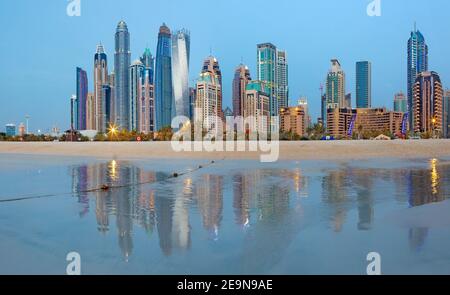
{"x": 304, "y": 150}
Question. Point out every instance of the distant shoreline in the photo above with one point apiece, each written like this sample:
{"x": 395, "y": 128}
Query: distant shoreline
{"x": 298, "y": 150}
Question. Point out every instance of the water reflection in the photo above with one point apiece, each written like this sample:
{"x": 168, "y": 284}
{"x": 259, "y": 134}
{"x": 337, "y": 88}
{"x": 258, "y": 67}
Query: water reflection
{"x": 266, "y": 204}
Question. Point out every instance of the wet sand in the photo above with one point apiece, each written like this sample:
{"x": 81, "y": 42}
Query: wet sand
{"x": 302, "y": 150}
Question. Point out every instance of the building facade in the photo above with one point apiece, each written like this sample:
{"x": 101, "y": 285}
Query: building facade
{"x": 363, "y": 84}
{"x": 293, "y": 119}
{"x": 122, "y": 61}
{"x": 181, "y": 42}
{"x": 427, "y": 105}
{"x": 417, "y": 63}
{"x": 164, "y": 100}
{"x": 345, "y": 122}
{"x": 82, "y": 96}
{"x": 90, "y": 111}
{"x": 241, "y": 79}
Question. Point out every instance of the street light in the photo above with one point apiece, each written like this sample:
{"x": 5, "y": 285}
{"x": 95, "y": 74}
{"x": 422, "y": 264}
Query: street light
{"x": 433, "y": 121}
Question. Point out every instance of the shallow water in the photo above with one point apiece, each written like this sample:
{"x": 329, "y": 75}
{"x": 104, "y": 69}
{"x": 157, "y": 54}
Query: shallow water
{"x": 229, "y": 217}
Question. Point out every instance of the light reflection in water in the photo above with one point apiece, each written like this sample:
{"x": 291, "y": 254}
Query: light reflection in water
{"x": 265, "y": 202}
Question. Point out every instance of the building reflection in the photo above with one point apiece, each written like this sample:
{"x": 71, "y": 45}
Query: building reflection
{"x": 335, "y": 193}
{"x": 209, "y": 197}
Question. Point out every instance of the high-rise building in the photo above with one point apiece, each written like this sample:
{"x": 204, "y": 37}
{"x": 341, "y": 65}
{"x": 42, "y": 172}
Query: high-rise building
{"x": 266, "y": 71}
{"x": 240, "y": 81}
{"x": 10, "y": 130}
{"x": 323, "y": 109}
{"x": 164, "y": 100}
{"x": 363, "y": 84}
{"x": 208, "y": 101}
{"x": 90, "y": 111}
{"x": 282, "y": 79}
{"x": 427, "y": 103}
{"x": 82, "y": 96}
{"x": 136, "y": 80}
{"x": 446, "y": 117}
{"x": 400, "y": 103}
{"x": 146, "y": 104}
{"x": 417, "y": 63}
{"x": 181, "y": 42}
{"x": 335, "y": 89}
{"x": 122, "y": 60}
{"x": 257, "y": 106}
{"x": 100, "y": 79}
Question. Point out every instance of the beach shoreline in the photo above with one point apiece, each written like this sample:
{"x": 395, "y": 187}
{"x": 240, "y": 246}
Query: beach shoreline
{"x": 288, "y": 150}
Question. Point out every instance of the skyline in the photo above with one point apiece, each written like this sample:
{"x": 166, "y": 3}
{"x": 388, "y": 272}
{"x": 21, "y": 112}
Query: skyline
{"x": 308, "y": 58}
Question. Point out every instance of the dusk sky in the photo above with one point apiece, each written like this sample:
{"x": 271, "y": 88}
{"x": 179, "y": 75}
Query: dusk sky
{"x": 41, "y": 45}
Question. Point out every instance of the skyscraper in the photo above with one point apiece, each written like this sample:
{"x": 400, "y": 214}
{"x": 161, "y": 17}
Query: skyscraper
{"x": 446, "y": 117}
{"x": 363, "y": 84}
{"x": 181, "y": 43}
{"x": 417, "y": 63}
{"x": 136, "y": 81}
{"x": 100, "y": 79}
{"x": 122, "y": 60}
{"x": 164, "y": 102}
{"x": 400, "y": 103}
{"x": 208, "y": 101}
{"x": 240, "y": 81}
{"x": 82, "y": 93}
{"x": 257, "y": 106}
{"x": 427, "y": 103}
{"x": 282, "y": 79}
{"x": 266, "y": 71}
{"x": 335, "y": 86}
{"x": 146, "y": 105}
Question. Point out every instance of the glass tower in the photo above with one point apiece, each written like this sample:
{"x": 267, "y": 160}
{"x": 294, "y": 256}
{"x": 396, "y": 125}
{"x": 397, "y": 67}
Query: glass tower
{"x": 417, "y": 63}
{"x": 266, "y": 67}
{"x": 241, "y": 79}
{"x": 363, "y": 84}
{"x": 164, "y": 102}
{"x": 100, "y": 79}
{"x": 82, "y": 93}
{"x": 180, "y": 72}
{"x": 122, "y": 83}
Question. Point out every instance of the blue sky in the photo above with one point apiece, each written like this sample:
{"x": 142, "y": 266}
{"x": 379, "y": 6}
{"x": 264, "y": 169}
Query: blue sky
{"x": 41, "y": 46}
